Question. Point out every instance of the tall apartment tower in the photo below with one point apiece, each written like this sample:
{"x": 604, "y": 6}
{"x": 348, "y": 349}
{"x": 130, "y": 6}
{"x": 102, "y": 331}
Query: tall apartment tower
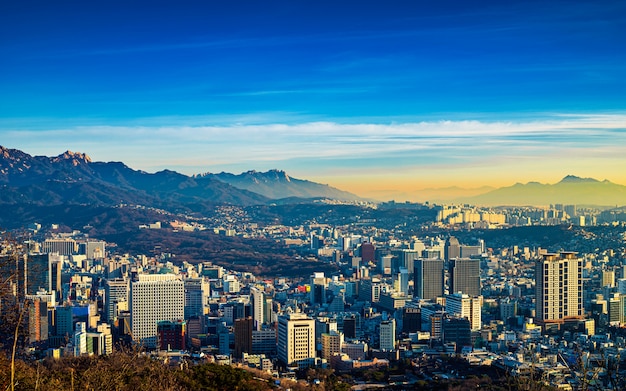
{"x": 559, "y": 288}
{"x": 465, "y": 276}
{"x": 154, "y": 298}
{"x": 428, "y": 278}
{"x": 296, "y": 339}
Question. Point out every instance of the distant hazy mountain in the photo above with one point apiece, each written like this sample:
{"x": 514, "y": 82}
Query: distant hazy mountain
{"x": 276, "y": 184}
{"x": 570, "y": 190}
{"x": 72, "y": 178}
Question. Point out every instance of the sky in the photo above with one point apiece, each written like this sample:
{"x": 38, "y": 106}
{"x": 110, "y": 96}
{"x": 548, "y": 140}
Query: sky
{"x": 379, "y": 98}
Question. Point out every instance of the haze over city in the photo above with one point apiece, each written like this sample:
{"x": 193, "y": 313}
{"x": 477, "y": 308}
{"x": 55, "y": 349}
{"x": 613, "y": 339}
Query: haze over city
{"x": 380, "y": 100}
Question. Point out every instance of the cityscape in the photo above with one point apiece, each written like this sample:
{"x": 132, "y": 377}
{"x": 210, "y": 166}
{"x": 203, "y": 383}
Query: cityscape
{"x": 322, "y": 195}
{"x": 460, "y": 291}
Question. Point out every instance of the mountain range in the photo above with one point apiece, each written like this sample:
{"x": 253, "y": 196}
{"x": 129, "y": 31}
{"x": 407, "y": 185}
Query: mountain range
{"x": 72, "y": 178}
{"x": 570, "y": 190}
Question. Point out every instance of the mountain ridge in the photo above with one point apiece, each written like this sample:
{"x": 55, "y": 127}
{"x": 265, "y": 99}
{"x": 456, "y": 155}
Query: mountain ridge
{"x": 569, "y": 190}
{"x": 72, "y": 177}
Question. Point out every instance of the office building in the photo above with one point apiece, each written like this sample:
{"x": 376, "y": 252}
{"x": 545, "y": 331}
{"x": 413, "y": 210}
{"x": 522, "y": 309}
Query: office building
{"x": 116, "y": 291}
{"x": 465, "y": 276}
{"x": 60, "y": 246}
{"x": 197, "y": 291}
{"x": 388, "y": 334}
{"x": 154, "y": 298}
{"x": 466, "y": 307}
{"x": 429, "y": 279}
{"x": 38, "y": 321}
{"x": 456, "y": 330}
{"x": 559, "y": 293}
{"x": 243, "y": 336}
{"x": 296, "y": 340}
{"x": 172, "y": 334}
{"x": 318, "y": 288}
{"x": 331, "y": 344}
{"x": 452, "y": 249}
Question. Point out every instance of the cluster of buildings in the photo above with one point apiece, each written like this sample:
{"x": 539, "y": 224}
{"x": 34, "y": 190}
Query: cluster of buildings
{"x": 395, "y": 298}
{"x": 556, "y": 214}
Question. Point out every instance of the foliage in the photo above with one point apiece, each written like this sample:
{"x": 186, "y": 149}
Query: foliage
{"x": 124, "y": 371}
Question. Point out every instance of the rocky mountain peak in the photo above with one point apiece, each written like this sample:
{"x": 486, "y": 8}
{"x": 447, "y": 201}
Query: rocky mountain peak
{"x": 76, "y": 158}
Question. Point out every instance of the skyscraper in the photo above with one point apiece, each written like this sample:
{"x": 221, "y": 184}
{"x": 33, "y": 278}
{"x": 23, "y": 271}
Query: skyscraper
{"x": 558, "y": 284}
{"x": 428, "y": 278}
{"x": 296, "y": 339}
{"x": 153, "y": 298}
{"x": 465, "y": 276}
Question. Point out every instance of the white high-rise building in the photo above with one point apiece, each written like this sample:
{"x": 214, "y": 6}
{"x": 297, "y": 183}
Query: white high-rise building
{"x": 559, "y": 288}
{"x": 258, "y": 307}
{"x": 154, "y": 298}
{"x": 296, "y": 340}
{"x": 388, "y": 334}
{"x": 465, "y": 306}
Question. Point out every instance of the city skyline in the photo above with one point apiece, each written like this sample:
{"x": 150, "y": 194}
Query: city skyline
{"x": 378, "y": 100}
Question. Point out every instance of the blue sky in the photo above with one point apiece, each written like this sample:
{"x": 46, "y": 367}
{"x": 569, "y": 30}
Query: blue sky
{"x": 375, "y": 97}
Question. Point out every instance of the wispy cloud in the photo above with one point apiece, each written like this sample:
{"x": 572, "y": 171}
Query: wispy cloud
{"x": 329, "y": 147}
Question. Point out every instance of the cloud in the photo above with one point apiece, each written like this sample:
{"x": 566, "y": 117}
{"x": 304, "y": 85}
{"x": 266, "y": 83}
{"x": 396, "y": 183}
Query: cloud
{"x": 326, "y": 146}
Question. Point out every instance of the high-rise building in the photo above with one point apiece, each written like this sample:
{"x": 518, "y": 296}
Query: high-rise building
{"x": 559, "y": 293}
{"x": 608, "y": 278}
{"x": 318, "y": 288}
{"x": 154, "y": 298}
{"x": 296, "y": 339}
{"x": 331, "y": 344}
{"x": 243, "y": 336}
{"x": 115, "y": 291}
{"x": 456, "y": 330}
{"x": 368, "y": 252}
{"x": 401, "y": 283}
{"x": 411, "y": 319}
{"x": 428, "y": 279}
{"x": 452, "y": 248}
{"x": 38, "y": 321}
{"x": 406, "y": 258}
{"x": 258, "y": 307}
{"x": 197, "y": 291}
{"x": 93, "y": 249}
{"x": 464, "y": 306}
{"x": 388, "y": 334}
{"x": 465, "y": 276}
